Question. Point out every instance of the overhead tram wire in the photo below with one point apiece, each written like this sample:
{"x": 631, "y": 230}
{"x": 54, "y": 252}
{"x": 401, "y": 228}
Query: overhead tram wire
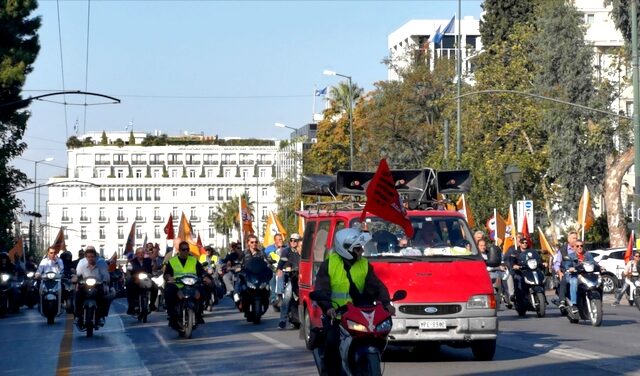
{"x": 86, "y": 71}
{"x": 66, "y": 122}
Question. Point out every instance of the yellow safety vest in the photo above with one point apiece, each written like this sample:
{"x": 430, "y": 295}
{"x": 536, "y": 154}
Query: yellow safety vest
{"x": 339, "y": 281}
{"x": 179, "y": 270}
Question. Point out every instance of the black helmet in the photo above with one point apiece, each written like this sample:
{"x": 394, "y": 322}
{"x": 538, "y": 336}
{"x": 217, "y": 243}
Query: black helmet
{"x": 66, "y": 256}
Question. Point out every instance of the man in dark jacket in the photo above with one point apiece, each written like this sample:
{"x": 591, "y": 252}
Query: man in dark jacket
{"x": 139, "y": 264}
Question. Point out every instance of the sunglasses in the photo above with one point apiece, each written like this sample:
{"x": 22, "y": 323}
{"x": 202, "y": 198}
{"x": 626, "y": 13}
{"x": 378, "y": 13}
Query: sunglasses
{"x": 293, "y": 240}
{"x": 579, "y": 246}
{"x": 184, "y": 249}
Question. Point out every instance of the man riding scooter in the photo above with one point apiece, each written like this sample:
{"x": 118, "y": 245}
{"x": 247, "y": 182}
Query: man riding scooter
{"x": 139, "y": 264}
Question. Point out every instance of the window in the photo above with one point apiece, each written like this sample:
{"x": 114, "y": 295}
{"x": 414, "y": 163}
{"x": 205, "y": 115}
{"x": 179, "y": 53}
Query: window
{"x": 156, "y": 173}
{"x": 174, "y": 173}
{"x": 120, "y": 214}
{"x": 65, "y": 192}
{"x": 118, "y": 159}
{"x": 102, "y": 173}
{"x": 245, "y": 173}
{"x": 175, "y": 192}
{"x": 618, "y": 255}
{"x": 103, "y": 196}
{"x": 174, "y": 213}
{"x": 211, "y": 193}
{"x": 120, "y": 173}
{"x": 101, "y": 232}
{"x": 129, "y": 194}
{"x": 220, "y": 197}
{"x": 193, "y": 213}
{"x": 101, "y": 215}
{"x": 138, "y": 214}
{"x": 111, "y": 194}
{"x": 83, "y": 232}
{"x": 261, "y": 172}
{"x": 211, "y": 213}
{"x": 629, "y": 107}
{"x": 156, "y": 194}
{"x": 120, "y": 194}
{"x": 229, "y": 193}
{"x": 139, "y": 194}
{"x": 65, "y": 214}
{"x": 138, "y": 173}
{"x": 589, "y": 18}
{"x": 138, "y": 232}
{"x": 147, "y": 194}
{"x": 83, "y": 192}
{"x": 193, "y": 192}
{"x": 156, "y": 231}
{"x": 264, "y": 192}
{"x": 264, "y": 212}
{"x": 156, "y": 213}
{"x": 83, "y": 214}
{"x": 66, "y": 233}
{"x": 192, "y": 173}
{"x": 212, "y": 232}
{"x": 227, "y": 173}
{"x": 209, "y": 173}
{"x": 227, "y": 158}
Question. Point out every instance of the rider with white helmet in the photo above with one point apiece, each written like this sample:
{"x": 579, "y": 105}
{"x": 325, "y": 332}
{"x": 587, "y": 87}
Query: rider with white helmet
{"x": 346, "y": 276}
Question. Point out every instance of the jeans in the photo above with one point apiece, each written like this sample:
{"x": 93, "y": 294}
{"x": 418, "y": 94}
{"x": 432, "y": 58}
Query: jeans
{"x": 620, "y": 293}
{"x": 227, "y": 279}
{"x": 573, "y": 288}
{"x": 286, "y": 299}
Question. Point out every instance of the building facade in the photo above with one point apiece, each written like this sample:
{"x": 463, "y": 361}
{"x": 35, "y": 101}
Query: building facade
{"x": 108, "y": 188}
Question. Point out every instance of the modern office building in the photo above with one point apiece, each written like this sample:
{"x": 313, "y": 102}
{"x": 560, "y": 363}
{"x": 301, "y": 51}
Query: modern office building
{"x": 108, "y": 187}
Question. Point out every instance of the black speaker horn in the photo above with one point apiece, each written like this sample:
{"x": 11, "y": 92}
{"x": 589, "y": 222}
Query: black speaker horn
{"x": 455, "y": 181}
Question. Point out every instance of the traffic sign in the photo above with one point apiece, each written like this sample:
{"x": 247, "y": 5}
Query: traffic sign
{"x": 525, "y": 207}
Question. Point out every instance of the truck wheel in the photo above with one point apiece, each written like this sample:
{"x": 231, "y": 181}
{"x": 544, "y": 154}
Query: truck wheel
{"x": 306, "y": 329}
{"x": 484, "y": 350}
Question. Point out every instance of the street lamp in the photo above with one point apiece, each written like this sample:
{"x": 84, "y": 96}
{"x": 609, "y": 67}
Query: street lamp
{"x": 36, "y": 196}
{"x": 327, "y": 72}
{"x": 511, "y": 176}
{"x": 295, "y": 166}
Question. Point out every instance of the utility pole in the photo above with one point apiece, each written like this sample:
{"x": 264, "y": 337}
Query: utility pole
{"x": 636, "y": 106}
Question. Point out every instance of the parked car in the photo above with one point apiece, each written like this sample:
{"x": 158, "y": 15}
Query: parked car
{"x": 612, "y": 260}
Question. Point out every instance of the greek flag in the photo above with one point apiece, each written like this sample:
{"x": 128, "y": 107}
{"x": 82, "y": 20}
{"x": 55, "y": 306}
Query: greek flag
{"x": 437, "y": 38}
{"x": 76, "y": 126}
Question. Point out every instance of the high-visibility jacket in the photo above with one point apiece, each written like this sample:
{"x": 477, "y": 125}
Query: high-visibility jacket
{"x": 179, "y": 270}
{"x": 339, "y": 281}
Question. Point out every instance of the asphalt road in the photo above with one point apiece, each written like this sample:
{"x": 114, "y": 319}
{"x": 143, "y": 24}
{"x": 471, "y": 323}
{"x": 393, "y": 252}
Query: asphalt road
{"x": 228, "y": 345}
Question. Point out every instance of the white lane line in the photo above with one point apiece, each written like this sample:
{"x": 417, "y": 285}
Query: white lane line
{"x": 183, "y": 365}
{"x": 276, "y": 343}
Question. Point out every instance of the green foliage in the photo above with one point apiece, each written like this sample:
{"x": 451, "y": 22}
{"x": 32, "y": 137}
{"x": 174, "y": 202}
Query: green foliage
{"x": 119, "y": 143}
{"x": 500, "y": 18}
{"x": 132, "y": 139}
{"x": 184, "y": 171}
{"x": 19, "y": 47}
{"x": 73, "y": 142}
{"x": 103, "y": 140}
{"x": 165, "y": 173}
{"x": 202, "y": 173}
{"x": 621, "y": 13}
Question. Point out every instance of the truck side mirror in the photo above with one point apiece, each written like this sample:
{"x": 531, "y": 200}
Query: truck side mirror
{"x": 494, "y": 258}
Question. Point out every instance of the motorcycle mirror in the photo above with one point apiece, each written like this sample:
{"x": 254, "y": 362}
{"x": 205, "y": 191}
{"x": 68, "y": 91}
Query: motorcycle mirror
{"x": 494, "y": 256}
{"x": 399, "y": 295}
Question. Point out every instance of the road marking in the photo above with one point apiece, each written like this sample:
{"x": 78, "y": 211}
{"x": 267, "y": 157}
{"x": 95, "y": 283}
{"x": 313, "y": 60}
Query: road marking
{"x": 64, "y": 355}
{"x": 183, "y": 365}
{"x": 276, "y": 343}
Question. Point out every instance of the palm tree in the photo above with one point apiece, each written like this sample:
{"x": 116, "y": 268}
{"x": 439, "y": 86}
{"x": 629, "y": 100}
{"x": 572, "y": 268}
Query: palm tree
{"x": 340, "y": 95}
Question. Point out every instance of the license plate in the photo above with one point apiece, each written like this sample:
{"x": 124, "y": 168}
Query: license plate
{"x": 433, "y": 324}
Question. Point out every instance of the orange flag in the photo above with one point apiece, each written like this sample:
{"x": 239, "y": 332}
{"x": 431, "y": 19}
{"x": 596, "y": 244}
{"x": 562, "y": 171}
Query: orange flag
{"x": 59, "y": 244}
{"x": 510, "y": 232}
{"x": 586, "y": 218}
{"x": 544, "y": 244}
{"x": 465, "y": 209}
{"x": 185, "y": 232}
{"x": 131, "y": 240}
{"x": 525, "y": 232}
{"x": 245, "y": 217}
{"x": 629, "y": 252}
{"x": 17, "y": 251}
{"x": 500, "y": 229}
{"x": 113, "y": 262}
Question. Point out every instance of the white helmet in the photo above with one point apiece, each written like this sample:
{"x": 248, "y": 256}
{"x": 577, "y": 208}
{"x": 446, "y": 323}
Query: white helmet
{"x": 347, "y": 239}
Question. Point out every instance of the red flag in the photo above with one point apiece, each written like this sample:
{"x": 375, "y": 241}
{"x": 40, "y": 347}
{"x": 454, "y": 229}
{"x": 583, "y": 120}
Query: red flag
{"x": 384, "y": 201}
{"x": 131, "y": 240}
{"x": 113, "y": 262}
{"x": 59, "y": 244}
{"x": 629, "y": 252}
{"x": 168, "y": 229}
{"x": 525, "y": 232}
{"x": 199, "y": 241}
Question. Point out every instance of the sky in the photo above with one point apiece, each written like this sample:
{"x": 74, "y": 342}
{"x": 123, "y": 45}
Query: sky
{"x": 226, "y": 68}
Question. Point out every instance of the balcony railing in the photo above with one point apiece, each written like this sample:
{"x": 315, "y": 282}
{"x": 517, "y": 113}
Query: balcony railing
{"x": 174, "y": 162}
{"x": 120, "y": 236}
{"x": 229, "y": 162}
{"x": 210, "y": 162}
{"x": 139, "y": 218}
{"x": 212, "y": 198}
{"x": 193, "y": 162}
{"x": 158, "y": 219}
{"x": 83, "y": 237}
{"x": 246, "y": 161}
{"x": 156, "y": 198}
{"x": 194, "y": 218}
{"x": 155, "y": 163}
{"x": 103, "y": 219}
{"x": 102, "y": 163}
{"x": 138, "y": 162}
{"x": 121, "y": 219}
{"x": 66, "y": 219}
{"x": 120, "y": 163}
{"x": 101, "y": 236}
{"x": 85, "y": 219}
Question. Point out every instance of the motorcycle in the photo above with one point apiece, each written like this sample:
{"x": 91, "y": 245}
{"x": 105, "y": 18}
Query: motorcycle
{"x": 5, "y": 293}
{"x": 289, "y": 275}
{"x": 117, "y": 282}
{"x": 532, "y": 297}
{"x": 91, "y": 288}
{"x": 589, "y": 296}
{"x": 158, "y": 279}
{"x": 50, "y": 296}
{"x": 498, "y": 278}
{"x": 216, "y": 289}
{"x": 363, "y": 336}
{"x": 144, "y": 296}
{"x": 634, "y": 290}
{"x": 254, "y": 289}
{"x": 68, "y": 291}
{"x": 30, "y": 289}
{"x": 188, "y": 306}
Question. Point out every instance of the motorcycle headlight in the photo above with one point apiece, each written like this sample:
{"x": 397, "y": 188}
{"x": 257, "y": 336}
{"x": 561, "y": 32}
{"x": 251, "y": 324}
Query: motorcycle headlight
{"x": 589, "y": 267}
{"x": 352, "y": 325}
{"x": 287, "y": 269}
{"x": 384, "y": 326}
{"x": 50, "y": 275}
{"x": 142, "y": 276}
{"x": 189, "y": 281}
{"x": 532, "y": 264}
{"x": 251, "y": 285}
{"x": 30, "y": 274}
{"x": 5, "y": 277}
{"x": 91, "y": 282}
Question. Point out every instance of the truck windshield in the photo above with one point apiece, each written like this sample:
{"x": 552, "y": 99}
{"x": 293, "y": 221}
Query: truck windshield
{"x": 433, "y": 237}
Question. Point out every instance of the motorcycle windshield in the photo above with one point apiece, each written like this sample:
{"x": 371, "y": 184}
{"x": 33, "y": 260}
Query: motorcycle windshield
{"x": 258, "y": 269}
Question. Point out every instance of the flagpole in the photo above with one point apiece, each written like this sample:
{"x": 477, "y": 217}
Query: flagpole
{"x": 313, "y": 109}
{"x": 495, "y": 226}
{"x": 584, "y": 211}
{"x": 241, "y": 223}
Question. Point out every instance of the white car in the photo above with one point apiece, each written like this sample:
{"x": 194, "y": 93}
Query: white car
{"x": 612, "y": 260}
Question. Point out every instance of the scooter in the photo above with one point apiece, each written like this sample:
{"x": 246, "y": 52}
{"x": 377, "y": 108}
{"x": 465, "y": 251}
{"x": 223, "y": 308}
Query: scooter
{"x": 91, "y": 287}
{"x": 189, "y": 296}
{"x": 255, "y": 292}
{"x": 50, "y": 296}
{"x": 158, "y": 279}
{"x": 144, "y": 296}
{"x": 589, "y": 297}
{"x": 68, "y": 291}
{"x": 5, "y": 293}
{"x": 30, "y": 289}
{"x": 363, "y": 336}
{"x": 532, "y": 297}
{"x": 498, "y": 280}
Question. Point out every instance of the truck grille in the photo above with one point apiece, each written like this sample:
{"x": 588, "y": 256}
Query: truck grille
{"x": 431, "y": 309}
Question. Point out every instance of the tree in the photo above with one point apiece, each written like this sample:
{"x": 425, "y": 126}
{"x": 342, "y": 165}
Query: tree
{"x": 500, "y": 17}
{"x": 19, "y": 47}
{"x": 103, "y": 140}
{"x": 73, "y": 142}
{"x": 119, "y": 143}
{"x": 339, "y": 95}
{"x": 132, "y": 139}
